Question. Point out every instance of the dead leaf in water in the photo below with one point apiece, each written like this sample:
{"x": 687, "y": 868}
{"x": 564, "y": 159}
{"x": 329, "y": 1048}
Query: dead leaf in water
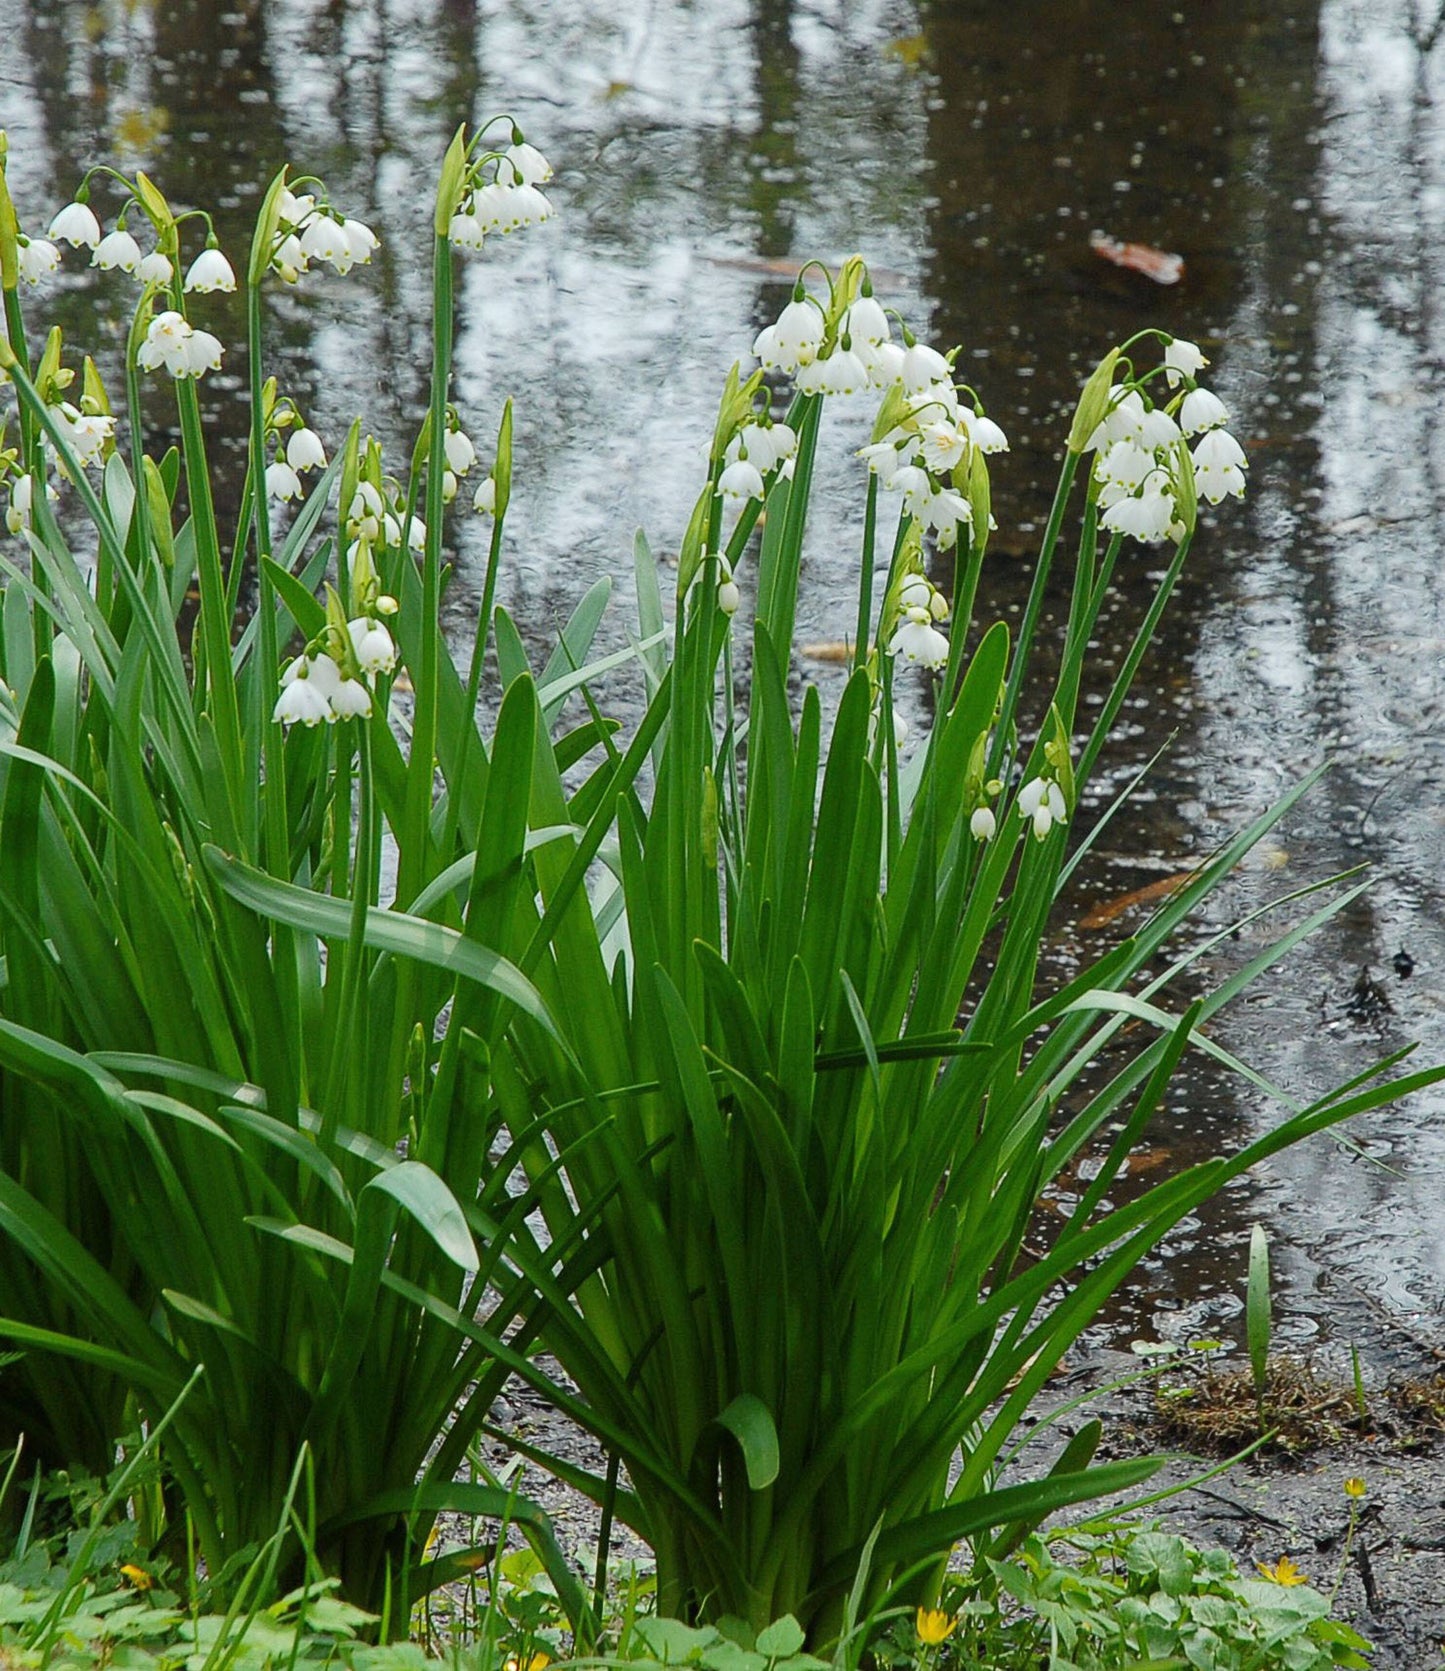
{"x": 1162, "y": 266}
{"x": 1110, "y": 910}
{"x": 839, "y": 652}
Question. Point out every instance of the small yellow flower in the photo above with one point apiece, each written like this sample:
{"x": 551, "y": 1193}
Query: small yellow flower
{"x": 1354, "y": 1487}
{"x": 538, "y": 1662}
{"x": 1284, "y": 1571}
{"x": 137, "y": 1576}
{"x": 934, "y": 1625}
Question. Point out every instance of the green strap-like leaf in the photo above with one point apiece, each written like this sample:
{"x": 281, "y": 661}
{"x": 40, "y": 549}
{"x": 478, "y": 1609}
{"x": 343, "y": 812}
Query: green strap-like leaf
{"x": 391, "y": 931}
{"x": 750, "y": 1422}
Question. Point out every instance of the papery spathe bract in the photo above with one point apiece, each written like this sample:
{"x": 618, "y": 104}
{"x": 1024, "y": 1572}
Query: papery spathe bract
{"x": 76, "y": 225}
{"x": 210, "y": 271}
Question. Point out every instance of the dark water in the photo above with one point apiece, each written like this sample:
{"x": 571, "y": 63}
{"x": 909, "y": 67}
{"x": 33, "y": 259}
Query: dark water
{"x": 1293, "y": 154}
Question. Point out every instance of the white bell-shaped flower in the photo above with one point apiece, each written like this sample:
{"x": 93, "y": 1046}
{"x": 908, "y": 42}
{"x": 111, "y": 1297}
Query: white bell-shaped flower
{"x": 461, "y": 454}
{"x": 304, "y": 450}
{"x": 360, "y": 240}
{"x": 117, "y": 249}
{"x": 203, "y": 353}
{"x": 484, "y": 500}
{"x": 76, "y": 225}
{"x": 282, "y": 482}
{"x": 918, "y": 640}
{"x": 923, "y": 367}
{"x": 529, "y": 166}
{"x": 37, "y": 257}
{"x": 372, "y": 644}
{"x": 798, "y": 334}
{"x": 741, "y": 480}
{"x": 465, "y": 230}
{"x": 1146, "y": 516}
{"x": 210, "y": 271}
{"x": 154, "y": 268}
{"x": 866, "y": 322}
{"x": 844, "y": 373}
{"x": 1219, "y": 466}
{"x": 1181, "y": 360}
{"x": 1201, "y": 409}
{"x": 351, "y": 699}
{"x": 983, "y": 826}
{"x": 986, "y": 434}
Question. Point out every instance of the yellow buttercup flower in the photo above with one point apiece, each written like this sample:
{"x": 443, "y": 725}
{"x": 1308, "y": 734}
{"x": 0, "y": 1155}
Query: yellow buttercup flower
{"x": 934, "y": 1625}
{"x": 1284, "y": 1571}
{"x": 137, "y": 1576}
{"x": 537, "y": 1662}
{"x": 1354, "y": 1487}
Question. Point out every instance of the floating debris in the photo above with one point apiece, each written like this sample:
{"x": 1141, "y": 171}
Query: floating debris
{"x": 1110, "y": 910}
{"x": 1157, "y": 264}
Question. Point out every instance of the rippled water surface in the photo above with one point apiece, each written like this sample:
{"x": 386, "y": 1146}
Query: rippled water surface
{"x": 1293, "y": 155}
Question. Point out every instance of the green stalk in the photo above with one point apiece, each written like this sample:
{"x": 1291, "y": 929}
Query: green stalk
{"x": 269, "y": 736}
{"x": 416, "y": 816}
{"x": 1115, "y": 701}
{"x": 103, "y": 578}
{"x": 1024, "y": 646}
{"x": 215, "y": 626}
{"x": 474, "y": 685}
{"x": 15, "y": 335}
{"x": 352, "y": 953}
{"x": 865, "y": 579}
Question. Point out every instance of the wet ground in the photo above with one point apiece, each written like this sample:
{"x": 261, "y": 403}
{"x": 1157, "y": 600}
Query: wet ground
{"x": 1292, "y": 154}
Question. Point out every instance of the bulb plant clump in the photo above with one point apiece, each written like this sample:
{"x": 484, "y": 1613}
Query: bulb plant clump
{"x": 375, "y": 1030}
